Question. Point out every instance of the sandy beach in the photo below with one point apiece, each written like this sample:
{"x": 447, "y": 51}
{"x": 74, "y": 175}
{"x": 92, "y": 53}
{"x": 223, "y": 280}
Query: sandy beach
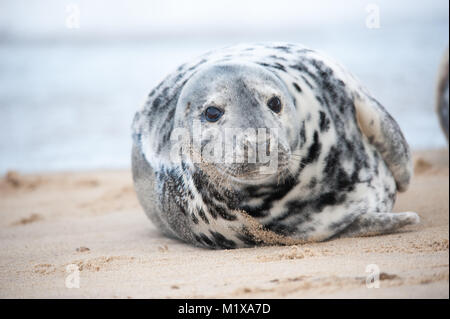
{"x": 93, "y": 220}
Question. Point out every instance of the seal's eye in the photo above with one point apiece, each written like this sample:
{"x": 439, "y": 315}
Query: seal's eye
{"x": 274, "y": 104}
{"x": 212, "y": 114}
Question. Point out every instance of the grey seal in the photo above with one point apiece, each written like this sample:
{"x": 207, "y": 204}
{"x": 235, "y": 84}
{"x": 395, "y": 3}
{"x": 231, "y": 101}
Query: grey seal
{"x": 442, "y": 95}
{"x": 340, "y": 157}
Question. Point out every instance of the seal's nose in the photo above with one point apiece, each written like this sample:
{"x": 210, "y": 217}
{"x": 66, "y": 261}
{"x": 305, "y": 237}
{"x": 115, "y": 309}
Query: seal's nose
{"x": 254, "y": 150}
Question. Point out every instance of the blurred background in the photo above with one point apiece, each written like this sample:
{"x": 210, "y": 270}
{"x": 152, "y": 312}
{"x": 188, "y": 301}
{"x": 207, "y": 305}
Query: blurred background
{"x": 72, "y": 73}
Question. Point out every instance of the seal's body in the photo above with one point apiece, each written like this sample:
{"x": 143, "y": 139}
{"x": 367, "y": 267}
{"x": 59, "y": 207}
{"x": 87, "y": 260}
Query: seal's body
{"x": 341, "y": 157}
{"x": 442, "y": 94}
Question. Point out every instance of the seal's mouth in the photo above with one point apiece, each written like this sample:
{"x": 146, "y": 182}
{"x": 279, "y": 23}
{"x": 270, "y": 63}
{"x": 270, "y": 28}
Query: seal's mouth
{"x": 256, "y": 180}
{"x": 254, "y": 165}
{"x": 255, "y": 173}
{"x": 249, "y": 171}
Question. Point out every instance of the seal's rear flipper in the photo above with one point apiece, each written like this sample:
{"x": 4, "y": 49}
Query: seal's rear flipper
{"x": 385, "y": 134}
{"x": 369, "y": 224}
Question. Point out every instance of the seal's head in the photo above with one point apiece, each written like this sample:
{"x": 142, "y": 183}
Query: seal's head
{"x": 242, "y": 120}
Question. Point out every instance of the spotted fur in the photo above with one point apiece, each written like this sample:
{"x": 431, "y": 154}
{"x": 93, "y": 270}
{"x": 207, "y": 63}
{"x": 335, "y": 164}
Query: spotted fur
{"x": 442, "y": 93}
{"x": 346, "y": 155}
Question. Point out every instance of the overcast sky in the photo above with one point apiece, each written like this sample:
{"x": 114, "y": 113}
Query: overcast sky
{"x": 48, "y": 17}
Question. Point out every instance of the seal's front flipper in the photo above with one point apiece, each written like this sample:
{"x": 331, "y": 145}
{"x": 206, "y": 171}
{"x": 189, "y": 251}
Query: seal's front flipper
{"x": 369, "y": 224}
{"x": 385, "y": 134}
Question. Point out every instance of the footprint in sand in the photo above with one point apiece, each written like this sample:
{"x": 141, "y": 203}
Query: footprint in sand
{"x": 27, "y": 220}
{"x": 421, "y": 166}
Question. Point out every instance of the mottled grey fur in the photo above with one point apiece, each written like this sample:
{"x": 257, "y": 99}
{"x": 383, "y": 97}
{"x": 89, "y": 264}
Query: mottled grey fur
{"x": 342, "y": 157}
{"x": 442, "y": 93}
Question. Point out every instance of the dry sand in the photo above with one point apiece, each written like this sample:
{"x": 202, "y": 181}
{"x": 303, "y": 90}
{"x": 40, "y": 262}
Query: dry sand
{"x": 93, "y": 220}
